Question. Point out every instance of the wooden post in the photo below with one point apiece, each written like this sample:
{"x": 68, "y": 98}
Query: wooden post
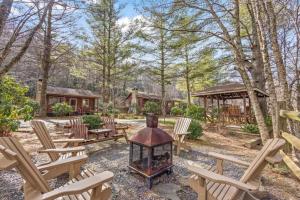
{"x": 205, "y": 105}
{"x": 223, "y": 110}
{"x": 212, "y": 101}
{"x": 245, "y": 107}
{"x": 282, "y": 125}
{"x": 218, "y": 102}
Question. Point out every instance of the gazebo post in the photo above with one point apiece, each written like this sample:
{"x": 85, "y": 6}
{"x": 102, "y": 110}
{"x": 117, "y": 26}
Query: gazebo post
{"x": 223, "y": 109}
{"x": 212, "y": 102}
{"x": 245, "y": 114}
{"x": 205, "y": 105}
{"x": 218, "y": 102}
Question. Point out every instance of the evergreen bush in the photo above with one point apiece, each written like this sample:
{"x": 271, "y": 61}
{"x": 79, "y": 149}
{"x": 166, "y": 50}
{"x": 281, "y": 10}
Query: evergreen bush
{"x": 195, "y": 112}
{"x": 151, "y": 107}
{"x": 93, "y": 121}
{"x": 195, "y": 130}
{"x": 62, "y": 109}
{"x": 14, "y": 105}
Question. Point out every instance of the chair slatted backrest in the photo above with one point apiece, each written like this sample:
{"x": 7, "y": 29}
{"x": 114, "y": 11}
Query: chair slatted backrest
{"x": 80, "y": 131}
{"x": 109, "y": 123}
{"x": 271, "y": 147}
{"x": 25, "y": 166}
{"x": 75, "y": 128}
{"x": 42, "y": 133}
{"x": 181, "y": 126}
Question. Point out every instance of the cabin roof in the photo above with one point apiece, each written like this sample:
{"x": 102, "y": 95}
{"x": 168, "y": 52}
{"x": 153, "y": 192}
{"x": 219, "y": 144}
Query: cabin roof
{"x": 71, "y": 92}
{"x": 229, "y": 90}
{"x": 151, "y": 96}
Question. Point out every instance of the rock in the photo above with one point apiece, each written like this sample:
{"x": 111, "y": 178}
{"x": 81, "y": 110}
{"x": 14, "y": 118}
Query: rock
{"x": 167, "y": 190}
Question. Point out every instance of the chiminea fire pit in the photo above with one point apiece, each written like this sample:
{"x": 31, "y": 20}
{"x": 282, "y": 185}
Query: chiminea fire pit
{"x": 151, "y": 151}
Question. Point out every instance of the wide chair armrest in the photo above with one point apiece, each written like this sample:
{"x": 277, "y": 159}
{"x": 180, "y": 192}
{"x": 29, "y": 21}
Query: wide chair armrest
{"x": 62, "y": 150}
{"x": 80, "y": 186}
{"x": 75, "y": 140}
{"x": 61, "y": 162}
{"x": 122, "y": 127}
{"x": 217, "y": 178}
{"x": 228, "y": 158}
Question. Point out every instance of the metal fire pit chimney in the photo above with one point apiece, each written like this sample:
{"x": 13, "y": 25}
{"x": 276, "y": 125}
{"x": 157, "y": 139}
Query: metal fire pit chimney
{"x": 151, "y": 151}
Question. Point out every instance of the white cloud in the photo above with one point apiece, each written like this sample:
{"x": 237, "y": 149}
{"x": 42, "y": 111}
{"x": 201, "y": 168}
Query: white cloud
{"x": 126, "y": 22}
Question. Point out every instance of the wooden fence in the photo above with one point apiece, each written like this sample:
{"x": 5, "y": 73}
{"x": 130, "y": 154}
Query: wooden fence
{"x": 292, "y": 140}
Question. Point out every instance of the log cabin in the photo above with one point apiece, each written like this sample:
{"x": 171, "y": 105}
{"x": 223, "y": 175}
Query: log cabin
{"x": 82, "y": 101}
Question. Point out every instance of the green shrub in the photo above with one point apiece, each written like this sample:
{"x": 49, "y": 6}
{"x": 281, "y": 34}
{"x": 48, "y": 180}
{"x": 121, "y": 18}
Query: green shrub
{"x": 195, "y": 130}
{"x": 182, "y": 105}
{"x": 250, "y": 128}
{"x": 177, "y": 111}
{"x": 35, "y": 106}
{"x": 62, "y": 109}
{"x": 151, "y": 107}
{"x": 195, "y": 112}
{"x": 14, "y": 105}
{"x": 108, "y": 109}
{"x": 93, "y": 121}
{"x": 268, "y": 121}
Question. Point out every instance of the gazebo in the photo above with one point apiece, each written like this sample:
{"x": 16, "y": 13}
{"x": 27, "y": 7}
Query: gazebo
{"x": 231, "y": 110}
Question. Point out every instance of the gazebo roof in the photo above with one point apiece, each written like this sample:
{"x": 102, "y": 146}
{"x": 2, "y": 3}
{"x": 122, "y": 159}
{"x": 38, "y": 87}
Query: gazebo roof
{"x": 228, "y": 91}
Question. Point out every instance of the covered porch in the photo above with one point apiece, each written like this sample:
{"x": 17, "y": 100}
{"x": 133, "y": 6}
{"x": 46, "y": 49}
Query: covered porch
{"x": 229, "y": 103}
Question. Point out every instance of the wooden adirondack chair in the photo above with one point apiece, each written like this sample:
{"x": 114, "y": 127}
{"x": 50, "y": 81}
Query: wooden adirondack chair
{"x": 53, "y": 169}
{"x": 180, "y": 131}
{"x": 117, "y": 131}
{"x": 86, "y": 185}
{"x": 211, "y": 184}
{"x": 71, "y": 149}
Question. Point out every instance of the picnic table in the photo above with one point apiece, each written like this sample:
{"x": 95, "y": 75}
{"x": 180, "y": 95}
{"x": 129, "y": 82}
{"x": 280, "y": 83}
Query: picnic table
{"x": 103, "y": 131}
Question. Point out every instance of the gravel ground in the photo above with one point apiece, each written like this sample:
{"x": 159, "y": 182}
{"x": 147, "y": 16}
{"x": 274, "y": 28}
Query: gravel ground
{"x": 113, "y": 156}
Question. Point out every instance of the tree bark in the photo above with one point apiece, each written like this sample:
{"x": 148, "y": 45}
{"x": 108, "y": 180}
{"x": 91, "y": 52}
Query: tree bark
{"x": 5, "y": 8}
{"x": 46, "y": 62}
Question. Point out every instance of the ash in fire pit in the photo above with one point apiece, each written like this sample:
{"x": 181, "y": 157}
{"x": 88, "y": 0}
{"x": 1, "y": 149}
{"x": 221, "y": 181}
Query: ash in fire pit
{"x": 151, "y": 151}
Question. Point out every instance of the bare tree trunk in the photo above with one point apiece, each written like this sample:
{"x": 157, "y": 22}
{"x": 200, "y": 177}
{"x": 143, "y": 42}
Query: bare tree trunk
{"x": 267, "y": 67}
{"x": 257, "y": 71}
{"x": 5, "y": 8}
{"x": 46, "y": 62}
{"x": 240, "y": 58}
{"x": 277, "y": 52}
{"x": 4, "y": 69}
{"x": 241, "y": 62}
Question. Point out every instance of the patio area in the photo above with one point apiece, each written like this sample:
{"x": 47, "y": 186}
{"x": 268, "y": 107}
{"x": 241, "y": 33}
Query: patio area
{"x": 113, "y": 156}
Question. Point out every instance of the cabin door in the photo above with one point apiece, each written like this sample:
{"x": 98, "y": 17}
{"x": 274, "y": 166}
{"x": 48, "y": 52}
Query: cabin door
{"x": 73, "y": 103}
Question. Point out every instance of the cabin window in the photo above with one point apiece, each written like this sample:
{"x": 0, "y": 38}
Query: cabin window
{"x": 61, "y": 99}
{"x": 86, "y": 103}
{"x": 73, "y": 103}
{"x": 53, "y": 100}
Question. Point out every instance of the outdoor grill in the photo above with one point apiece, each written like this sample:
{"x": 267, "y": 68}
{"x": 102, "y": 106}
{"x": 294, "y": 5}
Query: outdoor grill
{"x": 151, "y": 151}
